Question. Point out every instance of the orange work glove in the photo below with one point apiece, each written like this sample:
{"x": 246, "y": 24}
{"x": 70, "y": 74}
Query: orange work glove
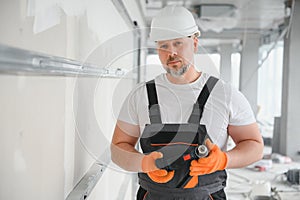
{"x": 154, "y": 173}
{"x": 216, "y": 160}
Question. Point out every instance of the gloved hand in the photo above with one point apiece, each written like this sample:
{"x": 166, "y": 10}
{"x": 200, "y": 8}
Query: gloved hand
{"x": 216, "y": 160}
{"x": 154, "y": 173}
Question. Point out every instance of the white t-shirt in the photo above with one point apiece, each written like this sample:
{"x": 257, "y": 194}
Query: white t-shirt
{"x": 225, "y": 106}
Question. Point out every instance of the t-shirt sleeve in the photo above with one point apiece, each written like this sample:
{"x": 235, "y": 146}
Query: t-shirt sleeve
{"x": 128, "y": 110}
{"x": 240, "y": 109}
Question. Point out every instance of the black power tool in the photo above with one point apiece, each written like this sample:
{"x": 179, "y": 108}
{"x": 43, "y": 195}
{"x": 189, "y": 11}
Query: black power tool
{"x": 196, "y": 153}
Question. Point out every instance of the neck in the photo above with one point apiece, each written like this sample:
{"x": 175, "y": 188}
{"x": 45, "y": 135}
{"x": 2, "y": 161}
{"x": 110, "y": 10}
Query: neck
{"x": 190, "y": 76}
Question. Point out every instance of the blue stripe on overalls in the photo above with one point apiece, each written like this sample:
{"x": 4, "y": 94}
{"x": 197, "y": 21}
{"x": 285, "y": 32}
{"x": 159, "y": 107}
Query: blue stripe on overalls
{"x": 175, "y": 141}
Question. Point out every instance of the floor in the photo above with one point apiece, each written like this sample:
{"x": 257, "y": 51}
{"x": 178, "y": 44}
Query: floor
{"x": 263, "y": 180}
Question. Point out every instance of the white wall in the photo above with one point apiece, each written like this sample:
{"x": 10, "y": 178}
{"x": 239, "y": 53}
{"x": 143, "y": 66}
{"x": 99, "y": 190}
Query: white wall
{"x": 17, "y": 30}
{"x": 48, "y": 128}
{"x": 32, "y": 137}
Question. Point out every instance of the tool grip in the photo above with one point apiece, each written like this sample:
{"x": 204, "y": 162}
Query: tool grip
{"x": 200, "y": 151}
{"x": 161, "y": 163}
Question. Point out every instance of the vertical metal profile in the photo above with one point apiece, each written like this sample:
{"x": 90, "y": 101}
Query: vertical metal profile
{"x": 137, "y": 56}
{"x": 138, "y": 53}
{"x": 136, "y": 33}
{"x": 85, "y": 186}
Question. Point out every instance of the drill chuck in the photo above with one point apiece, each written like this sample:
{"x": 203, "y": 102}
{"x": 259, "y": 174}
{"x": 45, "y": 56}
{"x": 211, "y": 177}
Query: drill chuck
{"x": 201, "y": 151}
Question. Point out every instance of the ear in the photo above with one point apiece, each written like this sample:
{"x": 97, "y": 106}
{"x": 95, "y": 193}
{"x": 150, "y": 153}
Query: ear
{"x": 196, "y": 44}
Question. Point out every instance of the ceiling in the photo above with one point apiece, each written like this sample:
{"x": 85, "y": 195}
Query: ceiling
{"x": 228, "y": 21}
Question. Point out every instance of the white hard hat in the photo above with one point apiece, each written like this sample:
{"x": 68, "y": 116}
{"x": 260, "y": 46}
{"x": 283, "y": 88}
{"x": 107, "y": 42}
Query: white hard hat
{"x": 173, "y": 22}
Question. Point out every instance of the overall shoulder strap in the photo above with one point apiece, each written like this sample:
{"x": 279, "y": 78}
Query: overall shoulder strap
{"x": 202, "y": 98}
{"x": 154, "y": 111}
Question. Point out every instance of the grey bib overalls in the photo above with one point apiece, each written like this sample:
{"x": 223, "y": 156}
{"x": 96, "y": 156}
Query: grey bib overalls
{"x": 177, "y": 142}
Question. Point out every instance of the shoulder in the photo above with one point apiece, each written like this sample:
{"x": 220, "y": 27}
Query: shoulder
{"x": 140, "y": 91}
{"x": 231, "y": 94}
{"x": 221, "y": 88}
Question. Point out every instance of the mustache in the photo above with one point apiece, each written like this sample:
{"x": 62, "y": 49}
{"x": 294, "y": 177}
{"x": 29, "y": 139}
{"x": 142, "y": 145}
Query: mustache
{"x": 172, "y": 59}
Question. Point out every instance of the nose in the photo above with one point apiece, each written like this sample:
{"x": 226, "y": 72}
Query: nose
{"x": 172, "y": 51}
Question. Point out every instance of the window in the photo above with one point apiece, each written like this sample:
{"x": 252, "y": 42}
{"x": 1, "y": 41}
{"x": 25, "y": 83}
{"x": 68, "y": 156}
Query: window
{"x": 269, "y": 87}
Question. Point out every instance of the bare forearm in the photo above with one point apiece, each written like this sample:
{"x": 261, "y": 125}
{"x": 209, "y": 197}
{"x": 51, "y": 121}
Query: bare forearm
{"x": 123, "y": 151}
{"x": 126, "y": 156}
{"x": 245, "y": 153}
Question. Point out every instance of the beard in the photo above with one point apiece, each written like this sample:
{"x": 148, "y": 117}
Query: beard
{"x": 178, "y": 73}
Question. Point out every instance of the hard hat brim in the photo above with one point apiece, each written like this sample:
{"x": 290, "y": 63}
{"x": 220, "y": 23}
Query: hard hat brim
{"x": 159, "y": 34}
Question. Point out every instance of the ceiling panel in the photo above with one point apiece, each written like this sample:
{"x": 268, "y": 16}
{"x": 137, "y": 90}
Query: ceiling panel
{"x": 248, "y": 16}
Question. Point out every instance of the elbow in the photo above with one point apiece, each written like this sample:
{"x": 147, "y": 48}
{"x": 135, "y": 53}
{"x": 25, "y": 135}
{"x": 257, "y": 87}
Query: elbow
{"x": 260, "y": 147}
{"x": 113, "y": 153}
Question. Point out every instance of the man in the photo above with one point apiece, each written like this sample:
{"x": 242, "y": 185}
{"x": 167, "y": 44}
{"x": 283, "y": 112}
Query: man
{"x": 179, "y": 111}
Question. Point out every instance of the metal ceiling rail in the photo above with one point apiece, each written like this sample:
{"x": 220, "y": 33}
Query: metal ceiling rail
{"x": 19, "y": 61}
